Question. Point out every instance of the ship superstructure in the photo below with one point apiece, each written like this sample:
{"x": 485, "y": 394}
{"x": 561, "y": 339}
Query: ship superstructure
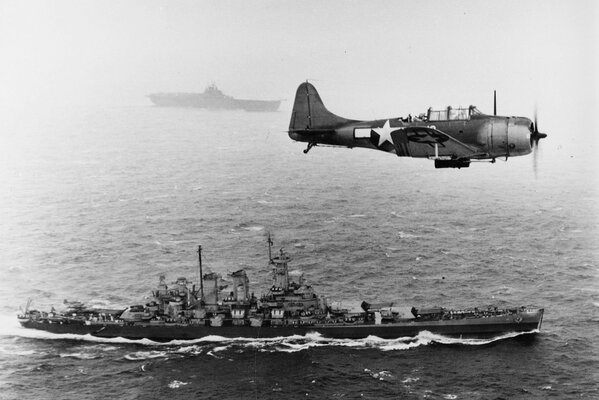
{"x": 183, "y": 302}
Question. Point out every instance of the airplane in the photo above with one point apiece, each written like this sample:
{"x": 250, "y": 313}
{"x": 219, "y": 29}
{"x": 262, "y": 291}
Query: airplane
{"x": 452, "y": 137}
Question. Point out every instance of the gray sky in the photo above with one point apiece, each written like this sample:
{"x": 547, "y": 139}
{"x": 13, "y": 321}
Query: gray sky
{"x": 368, "y": 59}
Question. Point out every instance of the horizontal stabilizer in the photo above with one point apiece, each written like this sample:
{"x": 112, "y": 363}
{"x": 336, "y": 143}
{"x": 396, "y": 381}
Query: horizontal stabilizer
{"x": 312, "y": 131}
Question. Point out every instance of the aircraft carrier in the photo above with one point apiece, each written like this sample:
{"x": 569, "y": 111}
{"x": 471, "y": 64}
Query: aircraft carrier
{"x": 214, "y": 99}
{"x": 182, "y": 310}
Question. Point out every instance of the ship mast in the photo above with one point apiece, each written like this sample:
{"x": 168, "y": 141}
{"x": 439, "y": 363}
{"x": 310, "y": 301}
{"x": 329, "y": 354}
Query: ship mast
{"x": 269, "y": 248}
{"x": 201, "y": 274}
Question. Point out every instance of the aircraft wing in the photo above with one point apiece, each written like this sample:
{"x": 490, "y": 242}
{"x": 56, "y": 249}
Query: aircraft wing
{"x": 420, "y": 141}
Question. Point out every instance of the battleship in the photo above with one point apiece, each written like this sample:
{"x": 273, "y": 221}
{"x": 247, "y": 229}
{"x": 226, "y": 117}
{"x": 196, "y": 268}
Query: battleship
{"x": 183, "y": 310}
{"x": 212, "y": 98}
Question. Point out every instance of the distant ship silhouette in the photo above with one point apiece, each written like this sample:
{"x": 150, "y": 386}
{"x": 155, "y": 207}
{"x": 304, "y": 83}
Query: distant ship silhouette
{"x": 212, "y": 98}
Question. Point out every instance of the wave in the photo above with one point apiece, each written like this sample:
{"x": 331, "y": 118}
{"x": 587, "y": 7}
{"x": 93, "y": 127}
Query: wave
{"x": 145, "y": 355}
{"x": 250, "y": 226}
{"x": 176, "y": 384}
{"x": 381, "y": 375}
{"x": 405, "y": 235}
{"x": 296, "y": 343}
{"x": 13, "y": 352}
{"x": 80, "y": 356}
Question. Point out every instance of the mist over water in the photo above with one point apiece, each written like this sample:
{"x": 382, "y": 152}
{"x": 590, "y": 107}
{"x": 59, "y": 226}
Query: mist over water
{"x": 98, "y": 202}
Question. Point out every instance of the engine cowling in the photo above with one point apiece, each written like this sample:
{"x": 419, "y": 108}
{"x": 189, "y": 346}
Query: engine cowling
{"x": 509, "y": 136}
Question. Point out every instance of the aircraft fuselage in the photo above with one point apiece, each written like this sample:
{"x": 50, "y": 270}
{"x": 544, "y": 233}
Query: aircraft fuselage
{"x": 493, "y": 136}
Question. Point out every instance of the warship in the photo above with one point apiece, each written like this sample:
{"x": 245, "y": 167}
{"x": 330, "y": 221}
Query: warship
{"x": 184, "y": 311}
{"x": 212, "y": 98}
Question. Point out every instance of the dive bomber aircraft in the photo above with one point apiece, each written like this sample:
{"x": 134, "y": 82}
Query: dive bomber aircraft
{"x": 453, "y": 137}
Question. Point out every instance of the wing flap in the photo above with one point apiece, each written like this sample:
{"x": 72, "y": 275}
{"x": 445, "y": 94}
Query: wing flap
{"x": 420, "y": 141}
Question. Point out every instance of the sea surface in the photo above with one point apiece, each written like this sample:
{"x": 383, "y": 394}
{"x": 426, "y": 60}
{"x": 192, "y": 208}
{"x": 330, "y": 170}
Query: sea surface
{"x": 96, "y": 203}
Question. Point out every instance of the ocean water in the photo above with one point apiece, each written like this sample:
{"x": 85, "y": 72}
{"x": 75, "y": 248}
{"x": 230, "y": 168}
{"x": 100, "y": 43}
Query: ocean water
{"x": 96, "y": 203}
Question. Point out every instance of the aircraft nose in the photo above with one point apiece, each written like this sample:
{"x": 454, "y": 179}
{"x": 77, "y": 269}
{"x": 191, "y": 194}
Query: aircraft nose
{"x": 520, "y": 138}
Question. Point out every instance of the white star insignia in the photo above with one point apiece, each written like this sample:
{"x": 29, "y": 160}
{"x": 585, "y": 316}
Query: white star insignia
{"x": 384, "y": 133}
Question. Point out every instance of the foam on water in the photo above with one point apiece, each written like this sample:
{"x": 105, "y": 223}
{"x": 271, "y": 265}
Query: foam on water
{"x": 381, "y": 375}
{"x": 80, "y": 356}
{"x": 177, "y": 384}
{"x": 9, "y": 351}
{"x": 145, "y": 355}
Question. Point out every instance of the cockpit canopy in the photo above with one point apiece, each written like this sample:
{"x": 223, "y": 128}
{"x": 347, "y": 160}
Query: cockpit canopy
{"x": 452, "y": 113}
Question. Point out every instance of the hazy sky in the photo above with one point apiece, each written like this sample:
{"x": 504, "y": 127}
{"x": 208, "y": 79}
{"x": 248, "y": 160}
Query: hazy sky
{"x": 367, "y": 58}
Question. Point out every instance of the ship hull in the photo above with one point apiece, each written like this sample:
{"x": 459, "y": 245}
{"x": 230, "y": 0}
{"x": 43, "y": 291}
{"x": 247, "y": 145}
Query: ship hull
{"x": 466, "y": 328}
{"x": 198, "y": 100}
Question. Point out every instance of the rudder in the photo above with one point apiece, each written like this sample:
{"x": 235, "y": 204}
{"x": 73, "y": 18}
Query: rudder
{"x": 309, "y": 112}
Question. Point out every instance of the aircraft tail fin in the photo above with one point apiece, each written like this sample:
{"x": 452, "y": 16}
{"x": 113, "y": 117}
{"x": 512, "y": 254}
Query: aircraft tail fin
{"x": 309, "y": 112}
